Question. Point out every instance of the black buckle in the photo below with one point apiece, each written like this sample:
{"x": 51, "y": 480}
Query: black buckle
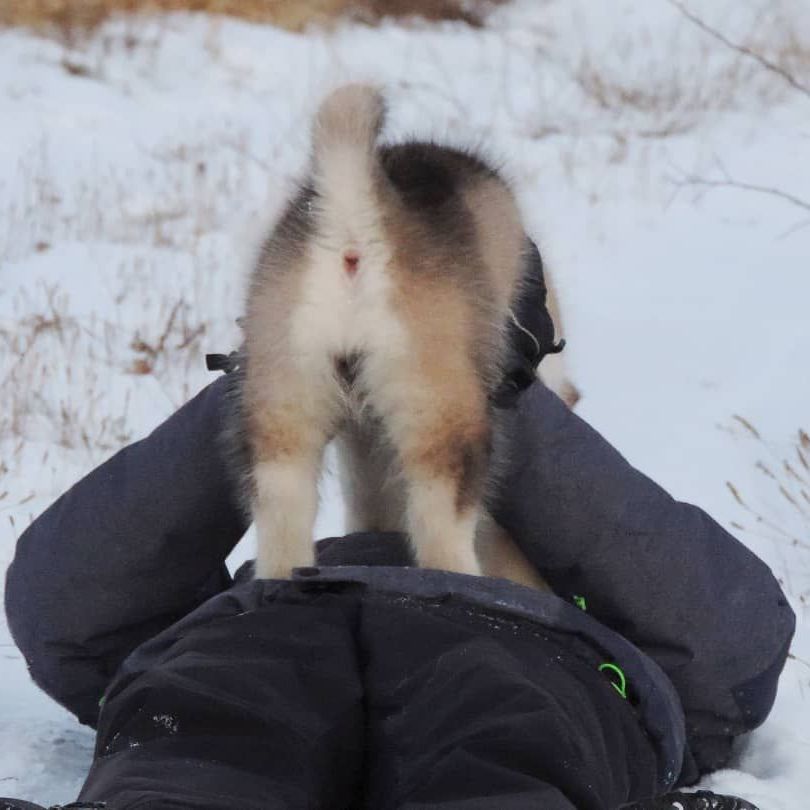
{"x": 222, "y": 362}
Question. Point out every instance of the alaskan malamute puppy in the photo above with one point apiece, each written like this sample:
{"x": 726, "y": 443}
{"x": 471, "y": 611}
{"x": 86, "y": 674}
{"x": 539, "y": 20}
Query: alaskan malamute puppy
{"x": 377, "y": 316}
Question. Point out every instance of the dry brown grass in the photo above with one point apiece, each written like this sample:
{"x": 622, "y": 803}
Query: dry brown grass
{"x": 294, "y": 15}
{"x": 685, "y": 73}
{"x": 779, "y": 509}
{"x": 187, "y": 337}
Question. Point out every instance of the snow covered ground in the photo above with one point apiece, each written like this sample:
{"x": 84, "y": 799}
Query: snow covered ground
{"x": 138, "y": 169}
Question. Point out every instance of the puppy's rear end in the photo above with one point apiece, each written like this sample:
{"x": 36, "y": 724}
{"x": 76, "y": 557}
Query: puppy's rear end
{"x": 377, "y": 312}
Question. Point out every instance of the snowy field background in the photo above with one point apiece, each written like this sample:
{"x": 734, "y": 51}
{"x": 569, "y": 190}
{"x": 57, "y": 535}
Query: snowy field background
{"x": 138, "y": 170}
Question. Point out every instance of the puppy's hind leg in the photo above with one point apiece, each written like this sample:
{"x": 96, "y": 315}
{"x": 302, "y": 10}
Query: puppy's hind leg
{"x": 288, "y": 443}
{"x": 500, "y": 556}
{"x": 442, "y": 527}
{"x": 442, "y": 435}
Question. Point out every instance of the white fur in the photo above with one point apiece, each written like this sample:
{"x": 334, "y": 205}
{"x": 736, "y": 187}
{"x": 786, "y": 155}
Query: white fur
{"x": 286, "y": 506}
{"x": 554, "y": 374}
{"x": 443, "y": 538}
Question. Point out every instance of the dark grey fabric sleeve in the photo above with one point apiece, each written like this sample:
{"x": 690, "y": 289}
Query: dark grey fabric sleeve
{"x": 660, "y": 572}
{"x": 132, "y": 547}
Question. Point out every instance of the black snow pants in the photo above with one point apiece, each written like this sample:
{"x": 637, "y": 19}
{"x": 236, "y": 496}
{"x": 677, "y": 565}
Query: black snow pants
{"x": 388, "y": 688}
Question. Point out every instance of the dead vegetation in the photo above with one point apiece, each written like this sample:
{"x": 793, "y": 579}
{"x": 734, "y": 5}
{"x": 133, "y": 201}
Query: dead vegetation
{"x": 56, "y": 382}
{"x": 724, "y": 180}
{"x": 778, "y": 54}
{"x": 69, "y": 16}
{"x": 793, "y": 55}
{"x": 668, "y": 94}
{"x": 186, "y": 338}
{"x": 42, "y": 345}
{"x": 781, "y": 511}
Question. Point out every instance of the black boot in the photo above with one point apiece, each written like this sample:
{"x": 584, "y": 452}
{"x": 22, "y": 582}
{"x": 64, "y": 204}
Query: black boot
{"x": 701, "y": 800}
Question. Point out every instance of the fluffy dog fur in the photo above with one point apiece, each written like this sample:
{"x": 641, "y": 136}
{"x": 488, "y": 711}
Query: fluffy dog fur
{"x": 376, "y": 315}
{"x": 553, "y": 371}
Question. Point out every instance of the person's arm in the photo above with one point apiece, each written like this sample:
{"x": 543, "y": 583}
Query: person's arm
{"x": 132, "y": 547}
{"x": 660, "y": 572}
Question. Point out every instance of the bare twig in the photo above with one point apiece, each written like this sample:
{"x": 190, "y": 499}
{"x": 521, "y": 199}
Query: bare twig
{"x": 191, "y": 335}
{"x": 790, "y": 483}
{"x": 693, "y": 180}
{"x": 799, "y": 660}
{"x": 795, "y": 228}
{"x": 727, "y": 181}
{"x": 140, "y": 345}
{"x": 747, "y": 425}
{"x": 744, "y": 50}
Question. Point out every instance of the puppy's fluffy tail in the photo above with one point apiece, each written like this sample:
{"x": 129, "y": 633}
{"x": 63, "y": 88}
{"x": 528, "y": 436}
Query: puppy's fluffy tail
{"x": 350, "y": 117}
{"x": 344, "y": 138}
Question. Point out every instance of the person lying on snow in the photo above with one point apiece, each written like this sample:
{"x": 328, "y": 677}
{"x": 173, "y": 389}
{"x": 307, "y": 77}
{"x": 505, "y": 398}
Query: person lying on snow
{"x": 363, "y": 682}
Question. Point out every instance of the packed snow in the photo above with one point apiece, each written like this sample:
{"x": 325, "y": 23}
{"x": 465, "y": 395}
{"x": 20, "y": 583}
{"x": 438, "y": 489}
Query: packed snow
{"x": 665, "y": 175}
